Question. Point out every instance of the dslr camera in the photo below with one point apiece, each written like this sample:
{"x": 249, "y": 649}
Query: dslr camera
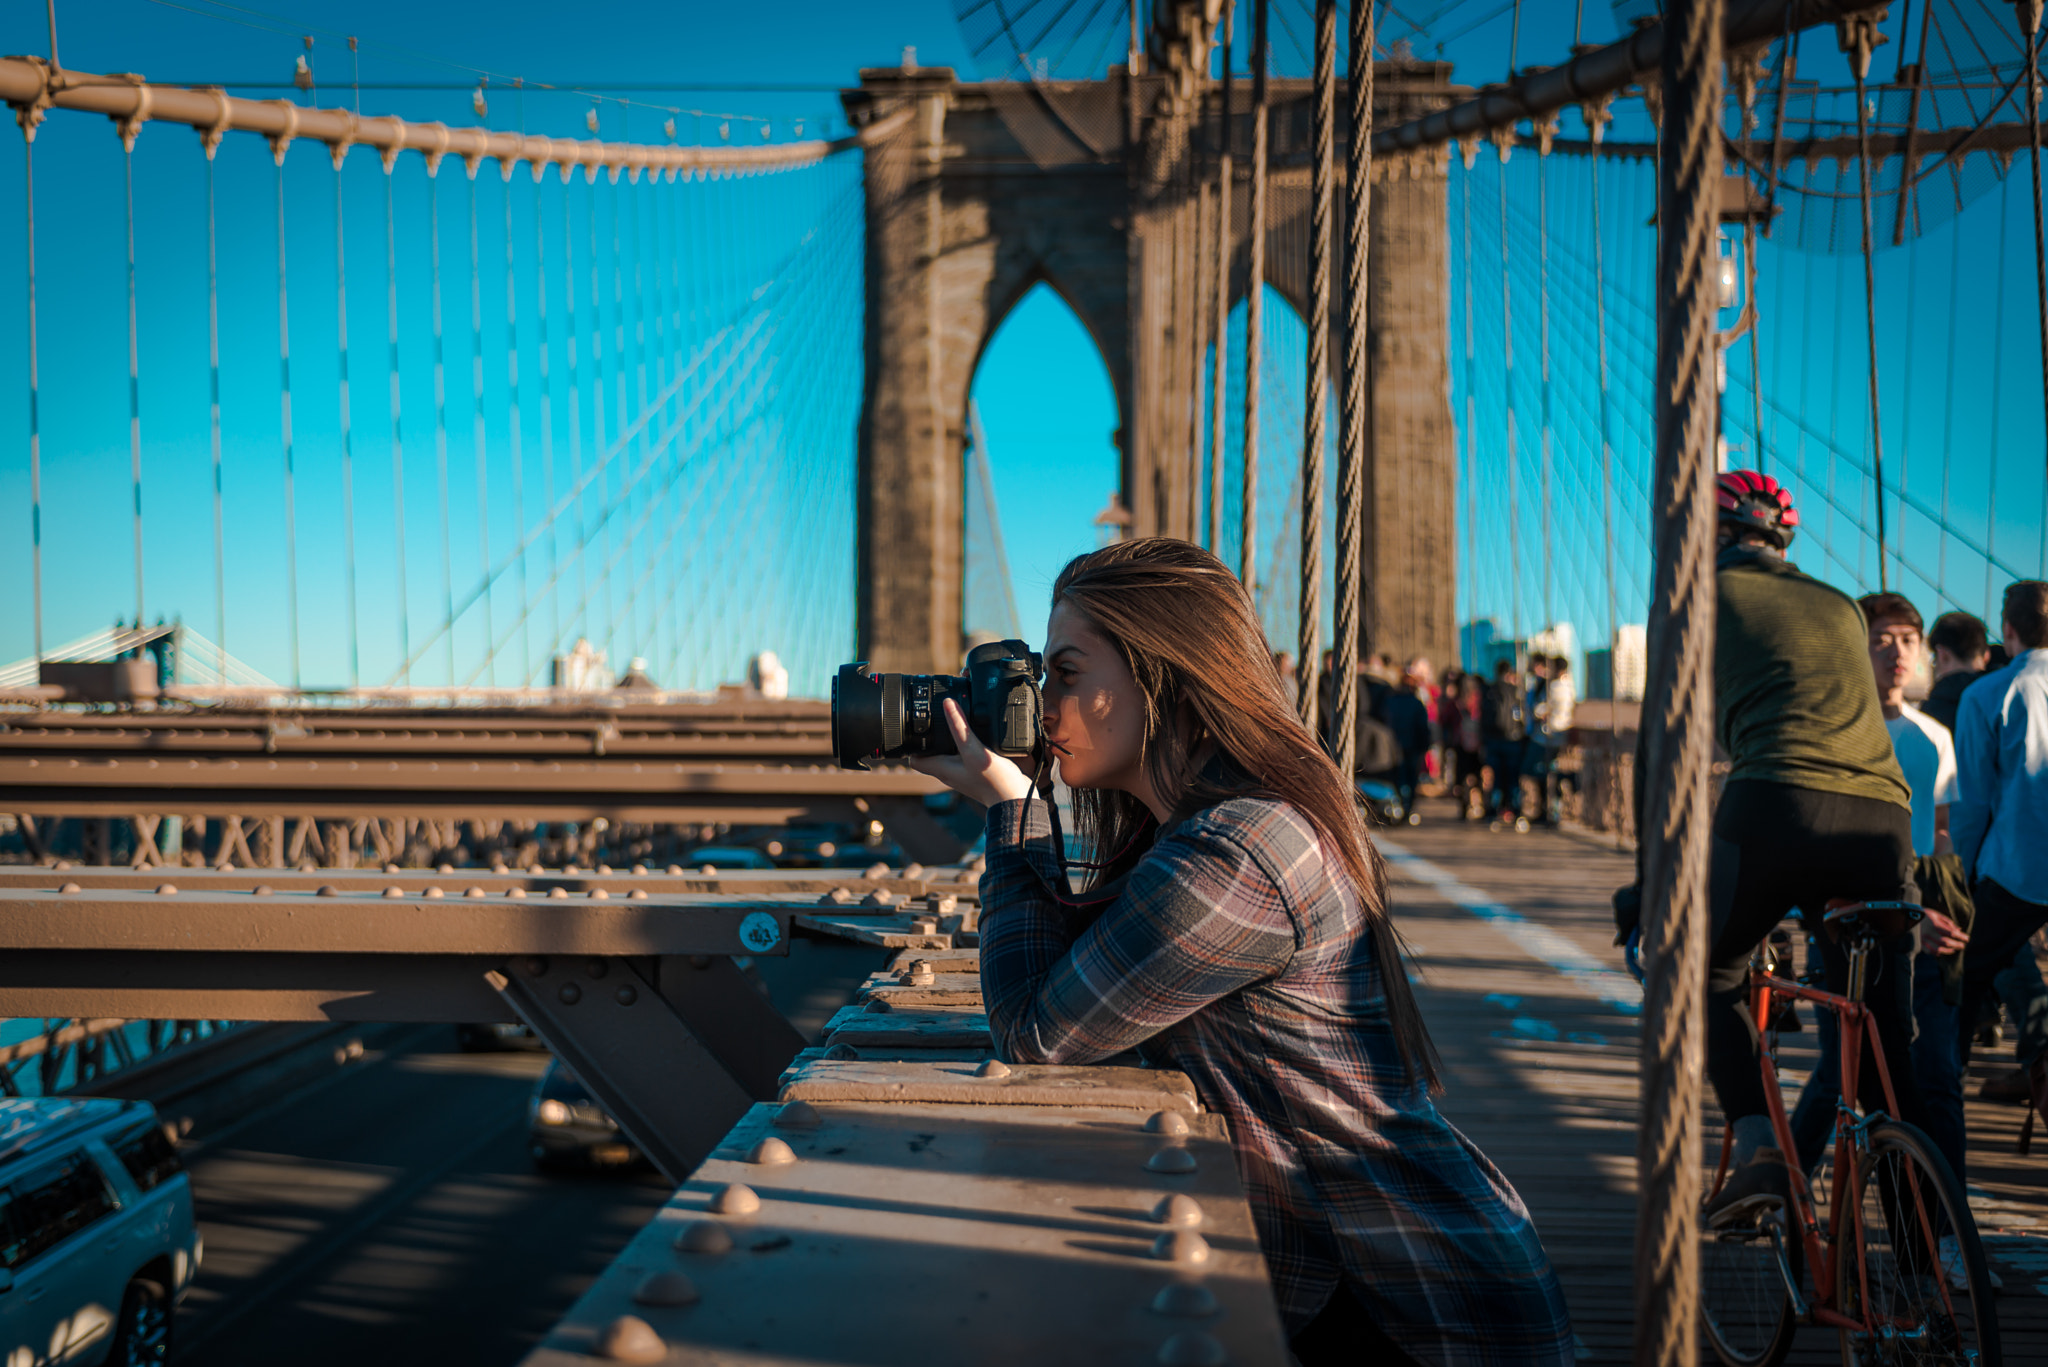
{"x": 900, "y": 716}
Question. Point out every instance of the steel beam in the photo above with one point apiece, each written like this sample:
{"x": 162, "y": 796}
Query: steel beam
{"x": 536, "y": 883}
{"x": 1604, "y": 71}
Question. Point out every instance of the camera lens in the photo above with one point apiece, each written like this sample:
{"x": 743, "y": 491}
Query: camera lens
{"x": 857, "y": 716}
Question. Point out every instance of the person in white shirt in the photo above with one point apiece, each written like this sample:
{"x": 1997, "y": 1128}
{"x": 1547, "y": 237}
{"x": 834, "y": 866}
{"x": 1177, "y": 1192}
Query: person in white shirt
{"x": 1927, "y": 756}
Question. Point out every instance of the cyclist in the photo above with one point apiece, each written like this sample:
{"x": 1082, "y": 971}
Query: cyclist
{"x": 1815, "y": 808}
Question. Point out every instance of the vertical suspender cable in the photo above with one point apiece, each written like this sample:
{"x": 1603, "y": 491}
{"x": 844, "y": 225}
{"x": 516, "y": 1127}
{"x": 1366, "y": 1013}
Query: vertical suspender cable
{"x": 1219, "y": 369}
{"x": 1254, "y": 308}
{"x": 35, "y": 431}
{"x": 220, "y": 575}
{"x": 397, "y": 445}
{"x": 517, "y": 446}
{"x": 476, "y": 389}
{"x": 1948, "y": 410}
{"x": 284, "y": 356}
{"x": 639, "y": 330}
{"x": 1997, "y": 392}
{"x": 1756, "y": 363}
{"x": 1543, "y": 358}
{"x": 575, "y": 395}
{"x": 348, "y": 476}
{"x": 1197, "y": 275}
{"x": 1677, "y": 733}
{"x": 597, "y": 379}
{"x": 2029, "y": 14}
{"x": 1507, "y": 384}
{"x": 441, "y": 410}
{"x": 1468, "y": 151}
{"x": 1354, "y": 415}
{"x": 128, "y": 130}
{"x": 1596, "y": 124}
{"x": 1322, "y": 188}
{"x": 547, "y": 416}
{"x": 1861, "y": 36}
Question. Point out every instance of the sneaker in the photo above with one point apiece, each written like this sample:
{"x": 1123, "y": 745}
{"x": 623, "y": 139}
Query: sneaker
{"x": 2009, "y": 1089}
{"x": 1750, "y": 1189}
{"x": 1952, "y": 1267}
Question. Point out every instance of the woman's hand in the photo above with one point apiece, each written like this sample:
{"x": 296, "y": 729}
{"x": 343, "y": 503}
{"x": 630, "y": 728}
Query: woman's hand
{"x": 1938, "y": 934}
{"x": 976, "y": 772}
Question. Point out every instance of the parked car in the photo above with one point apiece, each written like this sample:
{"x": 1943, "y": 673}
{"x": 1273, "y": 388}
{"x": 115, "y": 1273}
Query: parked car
{"x": 729, "y": 857}
{"x": 567, "y": 1128}
{"x": 97, "y": 1244}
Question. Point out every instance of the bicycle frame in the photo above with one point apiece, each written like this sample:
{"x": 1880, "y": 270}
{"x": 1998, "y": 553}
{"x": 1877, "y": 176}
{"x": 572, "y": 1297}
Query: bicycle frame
{"x": 1766, "y": 993}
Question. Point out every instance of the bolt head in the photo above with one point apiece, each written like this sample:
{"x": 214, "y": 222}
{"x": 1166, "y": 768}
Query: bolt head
{"x": 1192, "y": 1348}
{"x": 631, "y": 1339}
{"x": 597, "y": 968}
{"x": 166, "y": 890}
{"x": 798, "y": 1115}
{"x": 1172, "y": 1160}
{"x": 263, "y": 890}
{"x": 570, "y": 994}
{"x": 1185, "y": 1300}
{"x": 994, "y": 1067}
{"x": 771, "y": 1153}
{"x": 433, "y": 892}
{"x": 327, "y": 890}
{"x": 704, "y": 1236}
{"x": 626, "y": 996}
{"x": 537, "y": 967}
{"x": 1181, "y": 1246}
{"x": 735, "y": 1200}
{"x": 1179, "y": 1209}
{"x": 666, "y": 1289}
{"x": 1166, "y": 1122}
{"x": 70, "y": 888}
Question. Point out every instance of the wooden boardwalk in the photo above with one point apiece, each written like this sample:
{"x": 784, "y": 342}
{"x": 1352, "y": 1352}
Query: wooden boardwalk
{"x": 1512, "y": 937}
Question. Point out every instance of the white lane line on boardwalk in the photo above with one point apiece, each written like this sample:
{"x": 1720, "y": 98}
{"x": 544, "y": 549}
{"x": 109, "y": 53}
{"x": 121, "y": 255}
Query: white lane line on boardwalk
{"x": 1575, "y": 965}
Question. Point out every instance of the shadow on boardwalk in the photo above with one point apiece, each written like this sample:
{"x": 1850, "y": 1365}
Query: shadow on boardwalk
{"x": 1541, "y": 1072}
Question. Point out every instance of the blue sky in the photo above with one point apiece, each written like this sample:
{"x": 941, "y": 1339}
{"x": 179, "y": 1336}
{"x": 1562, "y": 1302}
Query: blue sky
{"x": 774, "y": 570}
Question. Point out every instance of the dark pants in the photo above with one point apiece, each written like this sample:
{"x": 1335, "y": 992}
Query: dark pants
{"x": 1776, "y": 848}
{"x": 1504, "y": 757}
{"x": 1343, "y": 1334}
{"x": 2003, "y": 925}
{"x": 1937, "y": 1066}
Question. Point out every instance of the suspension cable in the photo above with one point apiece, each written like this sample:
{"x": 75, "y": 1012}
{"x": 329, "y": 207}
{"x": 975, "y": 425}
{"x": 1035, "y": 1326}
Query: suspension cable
{"x": 1998, "y": 381}
{"x": 441, "y": 414}
{"x": 547, "y": 419}
{"x": 397, "y": 444}
{"x": 220, "y": 577}
{"x": 1507, "y": 327}
{"x": 1543, "y": 311}
{"x": 570, "y": 333}
{"x": 1467, "y": 151}
{"x": 597, "y": 370}
{"x": 476, "y": 388}
{"x": 35, "y": 431}
{"x": 2029, "y": 12}
{"x": 1756, "y": 364}
{"x": 128, "y": 131}
{"x": 619, "y": 354}
{"x": 1355, "y": 414}
{"x": 284, "y": 354}
{"x": 1254, "y": 307}
{"x": 1218, "y": 370}
{"x": 348, "y": 477}
{"x": 1308, "y": 675}
{"x": 517, "y": 442}
{"x": 1948, "y": 413}
{"x": 1860, "y": 64}
{"x": 1598, "y": 128}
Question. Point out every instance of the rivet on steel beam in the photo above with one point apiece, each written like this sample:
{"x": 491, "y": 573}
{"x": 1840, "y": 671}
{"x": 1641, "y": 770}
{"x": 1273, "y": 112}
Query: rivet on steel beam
{"x": 597, "y": 968}
{"x": 1173, "y": 1159}
{"x": 668, "y": 1289}
{"x": 637, "y": 895}
{"x": 708, "y": 870}
{"x": 558, "y": 891}
{"x": 432, "y": 892}
{"x": 61, "y": 865}
{"x": 994, "y": 1067}
{"x": 673, "y": 870}
{"x": 1192, "y": 1348}
{"x": 840, "y": 1053}
{"x": 883, "y": 899}
{"x": 444, "y": 868}
{"x": 639, "y": 868}
{"x": 626, "y": 996}
{"x": 501, "y": 867}
{"x": 875, "y": 871}
{"x": 704, "y": 1236}
{"x": 71, "y": 887}
{"x": 1166, "y": 1122}
{"x": 516, "y": 892}
{"x": 604, "y": 868}
{"x": 798, "y": 1115}
{"x": 571, "y": 994}
{"x": 836, "y": 897}
{"x": 167, "y": 889}
{"x": 877, "y": 1006}
{"x": 391, "y": 868}
{"x": 598, "y": 894}
{"x": 771, "y": 1153}
{"x": 1185, "y": 1300}
{"x": 537, "y": 967}
{"x": 355, "y": 1048}
{"x": 631, "y": 1339}
{"x": 262, "y": 890}
{"x": 474, "y": 891}
{"x": 571, "y": 868}
{"x": 1179, "y": 1209}
{"x": 1181, "y": 1246}
{"x": 394, "y": 892}
{"x": 913, "y": 870}
{"x": 735, "y": 1200}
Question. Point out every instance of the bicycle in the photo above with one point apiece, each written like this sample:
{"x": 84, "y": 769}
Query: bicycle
{"x": 1880, "y": 1280}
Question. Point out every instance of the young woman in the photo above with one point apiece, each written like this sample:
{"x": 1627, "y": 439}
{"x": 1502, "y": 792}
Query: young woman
{"x": 1237, "y": 931}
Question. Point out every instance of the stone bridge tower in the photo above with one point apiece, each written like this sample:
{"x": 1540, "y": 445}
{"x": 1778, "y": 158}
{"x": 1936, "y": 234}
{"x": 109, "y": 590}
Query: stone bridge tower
{"x": 987, "y": 189}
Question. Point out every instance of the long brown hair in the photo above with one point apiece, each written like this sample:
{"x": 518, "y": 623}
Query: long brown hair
{"x": 1218, "y": 724}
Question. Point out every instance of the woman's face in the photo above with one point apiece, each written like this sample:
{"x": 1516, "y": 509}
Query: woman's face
{"x": 1094, "y": 713}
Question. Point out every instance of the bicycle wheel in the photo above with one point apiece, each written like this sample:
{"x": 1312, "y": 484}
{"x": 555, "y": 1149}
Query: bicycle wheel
{"x": 1745, "y": 1304}
{"x": 1918, "y": 1318}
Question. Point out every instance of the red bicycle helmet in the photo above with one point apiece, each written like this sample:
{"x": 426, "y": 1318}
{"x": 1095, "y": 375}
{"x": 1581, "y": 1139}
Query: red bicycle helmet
{"x": 1759, "y": 503}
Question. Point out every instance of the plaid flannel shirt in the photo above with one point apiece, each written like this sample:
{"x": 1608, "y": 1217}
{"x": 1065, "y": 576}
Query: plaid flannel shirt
{"x": 1237, "y": 955}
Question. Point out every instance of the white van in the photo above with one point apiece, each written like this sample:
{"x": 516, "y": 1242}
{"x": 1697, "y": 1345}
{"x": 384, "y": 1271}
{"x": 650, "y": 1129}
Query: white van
{"x": 97, "y": 1244}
